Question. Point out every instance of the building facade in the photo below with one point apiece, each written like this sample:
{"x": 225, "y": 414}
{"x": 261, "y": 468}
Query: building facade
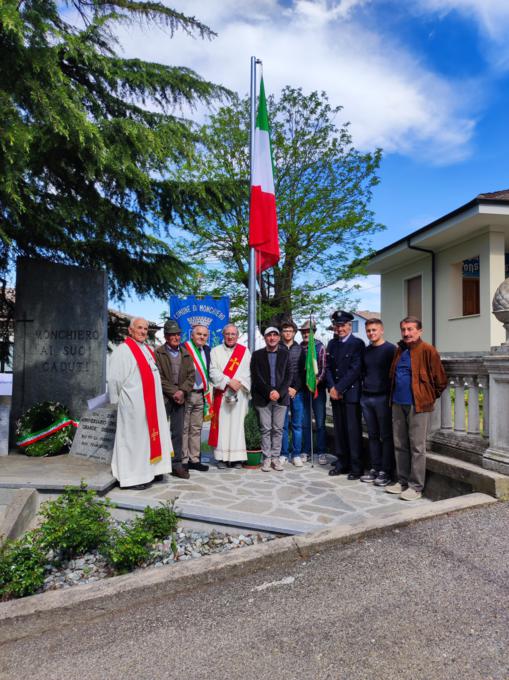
{"x": 446, "y": 273}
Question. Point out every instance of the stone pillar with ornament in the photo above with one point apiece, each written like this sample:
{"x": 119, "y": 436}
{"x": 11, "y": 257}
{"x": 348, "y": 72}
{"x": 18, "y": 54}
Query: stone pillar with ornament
{"x": 496, "y": 456}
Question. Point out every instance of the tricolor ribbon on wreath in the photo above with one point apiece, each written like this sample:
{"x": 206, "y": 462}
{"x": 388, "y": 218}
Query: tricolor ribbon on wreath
{"x": 229, "y": 371}
{"x": 201, "y": 367}
{"x": 47, "y": 431}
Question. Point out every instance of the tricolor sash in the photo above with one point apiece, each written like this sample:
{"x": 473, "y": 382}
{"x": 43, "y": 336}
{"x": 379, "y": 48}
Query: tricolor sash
{"x": 201, "y": 367}
{"x": 149, "y": 397}
{"x": 229, "y": 371}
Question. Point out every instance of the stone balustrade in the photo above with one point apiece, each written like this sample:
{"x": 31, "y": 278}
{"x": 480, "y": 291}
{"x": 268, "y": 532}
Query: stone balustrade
{"x": 460, "y": 423}
{"x": 469, "y": 392}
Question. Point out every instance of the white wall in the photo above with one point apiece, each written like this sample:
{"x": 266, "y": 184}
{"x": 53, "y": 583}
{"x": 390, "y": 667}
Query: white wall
{"x": 393, "y": 298}
{"x": 454, "y": 333}
{"x": 475, "y": 333}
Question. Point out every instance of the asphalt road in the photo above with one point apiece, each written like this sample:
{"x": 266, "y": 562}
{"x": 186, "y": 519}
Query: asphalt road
{"x": 430, "y": 601}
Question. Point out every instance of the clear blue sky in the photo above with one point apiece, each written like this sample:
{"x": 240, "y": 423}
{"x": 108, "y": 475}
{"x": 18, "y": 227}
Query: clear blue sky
{"x": 426, "y": 80}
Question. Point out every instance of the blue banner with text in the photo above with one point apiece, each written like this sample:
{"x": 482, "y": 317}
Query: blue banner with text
{"x": 214, "y": 313}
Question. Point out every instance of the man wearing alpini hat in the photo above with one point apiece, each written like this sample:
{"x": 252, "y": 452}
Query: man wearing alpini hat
{"x": 177, "y": 378}
{"x": 343, "y": 375}
{"x": 316, "y": 403}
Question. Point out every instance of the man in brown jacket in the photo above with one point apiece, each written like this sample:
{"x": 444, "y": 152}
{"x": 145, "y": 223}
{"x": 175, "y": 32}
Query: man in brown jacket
{"x": 417, "y": 381}
{"x": 177, "y": 378}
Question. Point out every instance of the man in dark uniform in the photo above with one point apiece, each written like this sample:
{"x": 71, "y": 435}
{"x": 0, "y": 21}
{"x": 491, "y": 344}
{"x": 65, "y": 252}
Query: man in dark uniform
{"x": 343, "y": 376}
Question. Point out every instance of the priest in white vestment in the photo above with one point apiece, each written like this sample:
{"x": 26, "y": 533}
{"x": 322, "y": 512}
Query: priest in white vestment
{"x": 131, "y": 462}
{"x": 230, "y": 373}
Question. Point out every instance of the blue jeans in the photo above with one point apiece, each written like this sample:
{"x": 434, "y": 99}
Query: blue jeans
{"x": 378, "y": 417}
{"x": 294, "y": 418}
{"x": 319, "y": 413}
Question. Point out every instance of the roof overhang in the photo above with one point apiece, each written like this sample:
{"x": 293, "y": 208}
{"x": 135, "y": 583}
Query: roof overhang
{"x": 464, "y": 223}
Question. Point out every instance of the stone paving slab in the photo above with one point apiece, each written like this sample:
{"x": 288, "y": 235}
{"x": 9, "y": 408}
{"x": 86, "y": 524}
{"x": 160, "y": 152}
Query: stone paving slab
{"x": 18, "y": 471}
{"x": 294, "y": 501}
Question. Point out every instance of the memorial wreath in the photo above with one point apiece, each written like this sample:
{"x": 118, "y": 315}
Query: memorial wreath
{"x": 45, "y": 429}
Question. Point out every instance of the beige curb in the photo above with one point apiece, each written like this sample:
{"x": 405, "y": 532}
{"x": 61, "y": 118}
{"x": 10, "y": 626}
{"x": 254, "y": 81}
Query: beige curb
{"x": 38, "y": 613}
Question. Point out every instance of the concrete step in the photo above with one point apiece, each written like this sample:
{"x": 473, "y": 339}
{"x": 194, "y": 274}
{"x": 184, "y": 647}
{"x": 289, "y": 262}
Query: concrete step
{"x": 465, "y": 475}
{"x": 18, "y": 508}
{"x": 54, "y": 473}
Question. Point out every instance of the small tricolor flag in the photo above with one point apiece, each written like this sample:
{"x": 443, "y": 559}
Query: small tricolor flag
{"x": 263, "y": 231}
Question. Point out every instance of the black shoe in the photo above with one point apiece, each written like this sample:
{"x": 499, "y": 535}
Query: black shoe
{"x": 337, "y": 471}
{"x": 197, "y": 466}
{"x": 353, "y": 476}
{"x": 180, "y": 471}
{"x": 138, "y": 487}
{"x": 159, "y": 478}
{"x": 382, "y": 479}
{"x": 370, "y": 477}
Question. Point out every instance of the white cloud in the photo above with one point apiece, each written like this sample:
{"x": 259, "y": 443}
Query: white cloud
{"x": 391, "y": 99}
{"x": 491, "y": 18}
{"x": 491, "y": 15}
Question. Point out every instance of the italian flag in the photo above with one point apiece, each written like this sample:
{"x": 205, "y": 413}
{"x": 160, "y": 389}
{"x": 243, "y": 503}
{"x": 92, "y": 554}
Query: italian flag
{"x": 263, "y": 232}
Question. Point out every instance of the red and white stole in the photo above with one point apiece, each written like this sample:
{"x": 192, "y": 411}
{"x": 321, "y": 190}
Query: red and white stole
{"x": 229, "y": 371}
{"x": 149, "y": 397}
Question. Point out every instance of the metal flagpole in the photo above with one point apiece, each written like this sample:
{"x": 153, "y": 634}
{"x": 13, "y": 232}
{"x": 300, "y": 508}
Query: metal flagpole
{"x": 311, "y": 396}
{"x": 311, "y": 428}
{"x": 251, "y": 298}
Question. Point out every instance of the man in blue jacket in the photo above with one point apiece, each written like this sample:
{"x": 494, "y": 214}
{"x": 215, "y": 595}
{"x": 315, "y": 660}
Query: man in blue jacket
{"x": 343, "y": 375}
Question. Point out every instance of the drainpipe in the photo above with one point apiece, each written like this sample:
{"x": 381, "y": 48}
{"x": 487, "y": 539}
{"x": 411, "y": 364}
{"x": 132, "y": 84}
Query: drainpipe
{"x": 433, "y": 295}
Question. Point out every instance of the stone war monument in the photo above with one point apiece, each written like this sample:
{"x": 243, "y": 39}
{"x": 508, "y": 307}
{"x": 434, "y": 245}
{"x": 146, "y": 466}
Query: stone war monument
{"x": 60, "y": 340}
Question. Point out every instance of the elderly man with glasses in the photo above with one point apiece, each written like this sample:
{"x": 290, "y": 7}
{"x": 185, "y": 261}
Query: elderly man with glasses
{"x": 230, "y": 376}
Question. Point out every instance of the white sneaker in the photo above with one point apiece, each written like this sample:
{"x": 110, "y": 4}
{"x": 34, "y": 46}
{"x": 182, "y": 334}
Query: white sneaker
{"x": 283, "y": 460}
{"x": 305, "y": 457}
{"x": 322, "y": 459}
{"x": 266, "y": 465}
{"x": 276, "y": 464}
{"x": 297, "y": 461}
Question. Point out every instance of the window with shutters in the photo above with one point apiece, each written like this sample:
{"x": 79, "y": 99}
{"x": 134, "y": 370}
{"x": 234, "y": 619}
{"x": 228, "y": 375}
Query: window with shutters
{"x": 470, "y": 287}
